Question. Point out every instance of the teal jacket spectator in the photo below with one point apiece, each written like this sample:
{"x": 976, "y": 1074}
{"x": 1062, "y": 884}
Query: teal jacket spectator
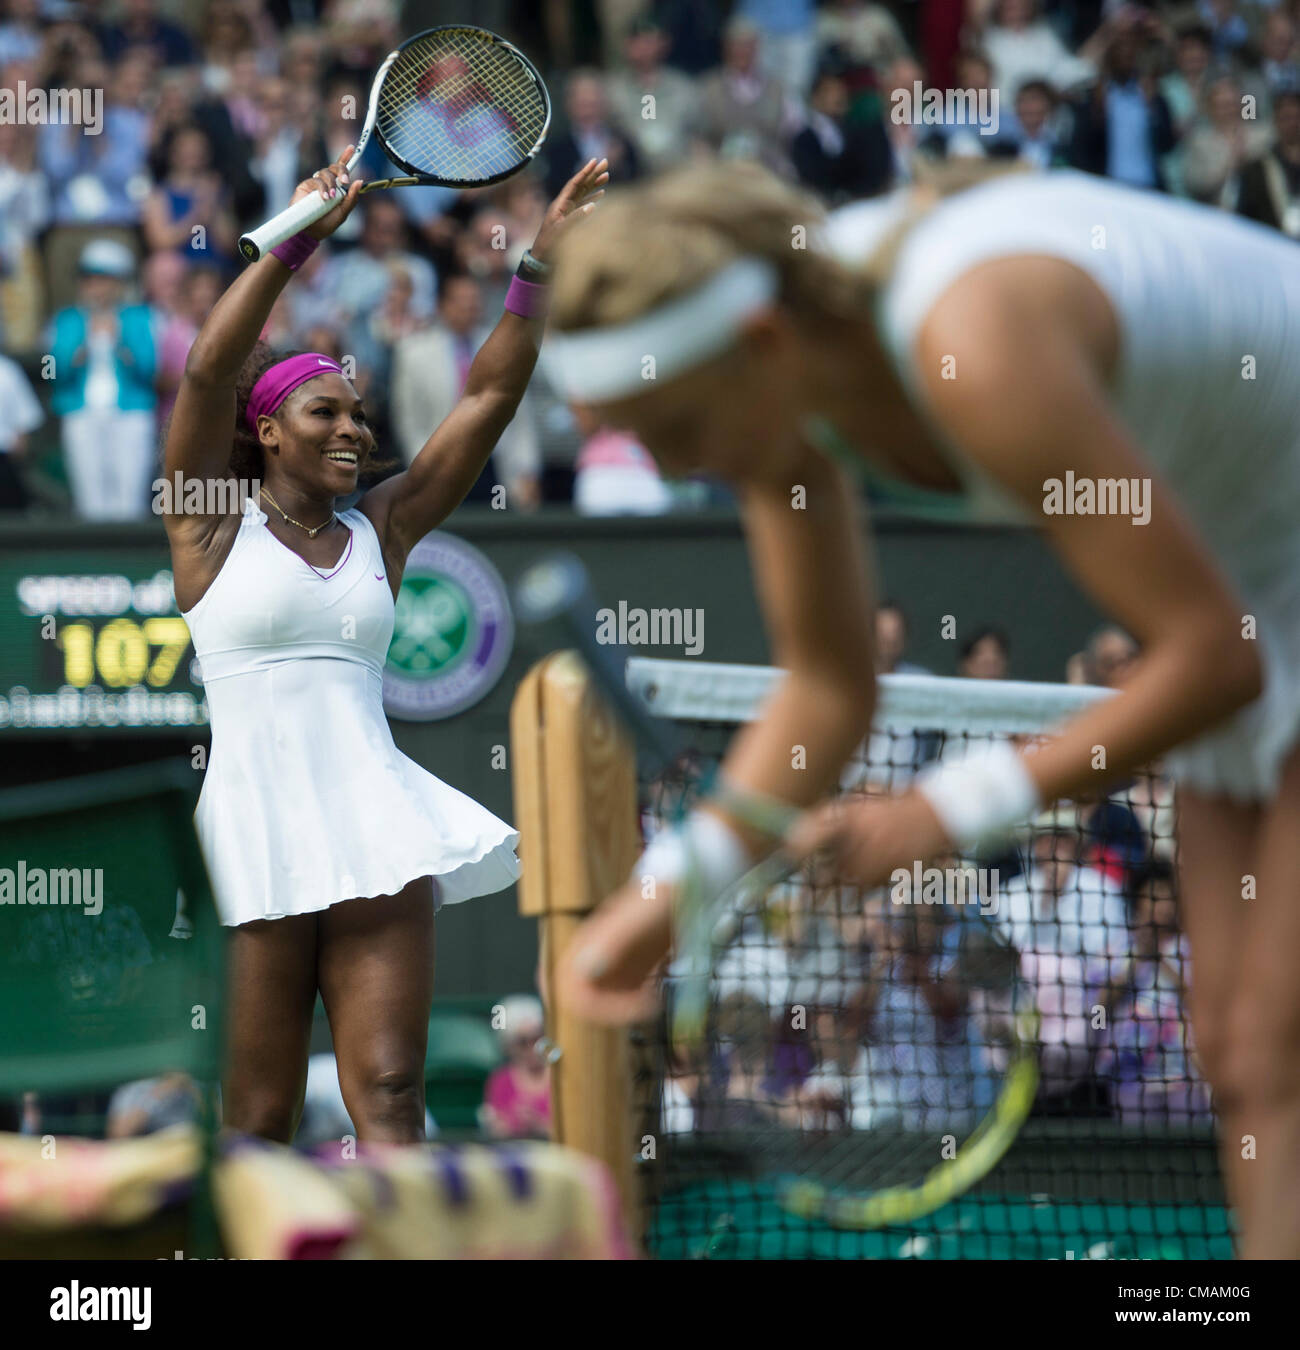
{"x": 133, "y": 359}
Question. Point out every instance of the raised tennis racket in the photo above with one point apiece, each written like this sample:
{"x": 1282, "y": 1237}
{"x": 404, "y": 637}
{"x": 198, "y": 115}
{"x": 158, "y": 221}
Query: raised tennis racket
{"x": 454, "y": 106}
{"x": 942, "y": 1025}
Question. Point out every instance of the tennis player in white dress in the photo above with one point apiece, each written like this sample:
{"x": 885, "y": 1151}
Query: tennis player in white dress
{"x": 1031, "y": 332}
{"x": 329, "y": 850}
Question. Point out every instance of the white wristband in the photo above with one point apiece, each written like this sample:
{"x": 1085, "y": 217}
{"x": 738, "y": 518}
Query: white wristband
{"x": 980, "y": 796}
{"x": 703, "y": 842}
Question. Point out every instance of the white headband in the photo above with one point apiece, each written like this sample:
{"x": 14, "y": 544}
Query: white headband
{"x": 597, "y": 364}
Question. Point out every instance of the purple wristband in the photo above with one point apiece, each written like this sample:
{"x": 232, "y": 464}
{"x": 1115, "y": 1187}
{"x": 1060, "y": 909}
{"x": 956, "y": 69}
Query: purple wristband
{"x": 527, "y": 299}
{"x": 295, "y": 251}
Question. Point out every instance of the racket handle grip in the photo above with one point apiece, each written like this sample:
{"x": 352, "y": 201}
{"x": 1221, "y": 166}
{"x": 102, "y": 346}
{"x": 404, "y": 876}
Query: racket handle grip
{"x": 293, "y": 219}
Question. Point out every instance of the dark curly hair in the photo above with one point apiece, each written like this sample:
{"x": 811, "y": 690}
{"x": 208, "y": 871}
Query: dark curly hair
{"x": 246, "y": 457}
{"x": 247, "y": 460}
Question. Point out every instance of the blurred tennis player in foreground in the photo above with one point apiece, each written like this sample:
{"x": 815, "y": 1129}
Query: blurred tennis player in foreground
{"x": 329, "y": 850}
{"x": 1030, "y": 333}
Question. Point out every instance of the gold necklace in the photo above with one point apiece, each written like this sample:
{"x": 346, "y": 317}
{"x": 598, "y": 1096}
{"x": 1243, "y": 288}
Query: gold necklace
{"x": 289, "y": 520}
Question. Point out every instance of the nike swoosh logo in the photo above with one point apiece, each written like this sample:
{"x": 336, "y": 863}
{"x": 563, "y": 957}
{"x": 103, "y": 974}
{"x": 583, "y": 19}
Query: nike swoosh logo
{"x": 379, "y": 576}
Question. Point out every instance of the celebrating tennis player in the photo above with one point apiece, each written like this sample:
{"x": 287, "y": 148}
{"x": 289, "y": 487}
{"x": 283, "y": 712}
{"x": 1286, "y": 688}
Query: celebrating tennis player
{"x": 1032, "y": 336}
{"x": 329, "y": 851}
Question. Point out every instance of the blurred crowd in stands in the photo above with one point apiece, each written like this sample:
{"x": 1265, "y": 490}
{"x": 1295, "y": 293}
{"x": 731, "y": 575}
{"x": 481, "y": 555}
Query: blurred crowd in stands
{"x": 115, "y": 244}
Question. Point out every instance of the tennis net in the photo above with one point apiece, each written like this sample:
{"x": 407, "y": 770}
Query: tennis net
{"x": 840, "y": 1045}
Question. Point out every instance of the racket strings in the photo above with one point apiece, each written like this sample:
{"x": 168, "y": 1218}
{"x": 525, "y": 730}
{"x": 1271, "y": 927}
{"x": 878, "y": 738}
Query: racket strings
{"x": 849, "y": 1041}
{"x": 885, "y": 1031}
{"x": 461, "y": 107}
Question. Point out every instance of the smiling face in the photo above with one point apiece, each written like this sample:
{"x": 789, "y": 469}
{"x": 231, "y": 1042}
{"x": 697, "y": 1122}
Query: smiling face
{"x": 318, "y": 439}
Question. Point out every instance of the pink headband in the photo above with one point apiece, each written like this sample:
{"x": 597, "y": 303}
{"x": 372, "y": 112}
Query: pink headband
{"x": 277, "y": 383}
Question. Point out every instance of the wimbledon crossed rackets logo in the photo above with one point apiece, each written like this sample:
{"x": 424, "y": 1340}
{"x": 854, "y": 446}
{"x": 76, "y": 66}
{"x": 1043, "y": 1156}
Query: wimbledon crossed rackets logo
{"x": 430, "y": 626}
{"x": 452, "y": 631}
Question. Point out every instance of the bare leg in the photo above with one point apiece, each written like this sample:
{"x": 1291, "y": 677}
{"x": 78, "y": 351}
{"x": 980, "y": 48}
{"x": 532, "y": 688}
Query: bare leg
{"x": 1263, "y": 1078}
{"x": 272, "y": 995}
{"x": 1216, "y": 848}
{"x": 376, "y": 978}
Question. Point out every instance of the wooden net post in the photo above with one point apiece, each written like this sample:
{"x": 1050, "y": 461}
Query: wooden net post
{"x": 579, "y": 838}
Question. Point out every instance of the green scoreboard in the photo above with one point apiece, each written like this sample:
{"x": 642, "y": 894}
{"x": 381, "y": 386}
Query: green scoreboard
{"x": 90, "y": 638}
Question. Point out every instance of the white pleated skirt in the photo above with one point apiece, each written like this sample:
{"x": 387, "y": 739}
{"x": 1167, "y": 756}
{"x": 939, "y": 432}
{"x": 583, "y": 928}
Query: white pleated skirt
{"x": 308, "y": 802}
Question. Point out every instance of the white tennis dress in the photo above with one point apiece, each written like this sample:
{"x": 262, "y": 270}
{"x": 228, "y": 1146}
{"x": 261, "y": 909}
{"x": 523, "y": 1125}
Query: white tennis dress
{"x": 307, "y": 801}
{"x": 1208, "y": 383}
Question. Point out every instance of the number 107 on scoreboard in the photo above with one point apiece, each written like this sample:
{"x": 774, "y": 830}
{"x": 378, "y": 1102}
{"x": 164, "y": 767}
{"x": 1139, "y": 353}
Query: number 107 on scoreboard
{"x": 123, "y": 652}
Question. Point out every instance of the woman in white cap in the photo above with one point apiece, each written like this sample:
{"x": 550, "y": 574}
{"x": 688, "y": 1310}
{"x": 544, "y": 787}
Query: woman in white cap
{"x": 103, "y": 353}
{"x": 1038, "y": 339}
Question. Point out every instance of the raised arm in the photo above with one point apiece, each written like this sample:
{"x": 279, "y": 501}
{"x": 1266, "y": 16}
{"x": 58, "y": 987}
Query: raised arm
{"x": 1034, "y": 340}
{"x": 407, "y": 506}
{"x": 1034, "y": 405}
{"x": 198, "y": 437}
{"x": 800, "y": 549}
